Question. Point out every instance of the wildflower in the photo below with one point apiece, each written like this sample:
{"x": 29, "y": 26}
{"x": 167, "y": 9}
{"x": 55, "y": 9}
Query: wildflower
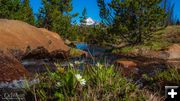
{"x": 77, "y": 63}
{"x": 71, "y": 65}
{"x": 58, "y": 84}
{"x": 61, "y": 70}
{"x": 80, "y": 79}
{"x": 78, "y": 76}
{"x": 57, "y": 65}
{"x": 83, "y": 82}
{"x": 99, "y": 65}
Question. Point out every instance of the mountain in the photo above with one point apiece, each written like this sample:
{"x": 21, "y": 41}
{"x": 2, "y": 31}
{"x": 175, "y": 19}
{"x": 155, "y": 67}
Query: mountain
{"x": 90, "y": 22}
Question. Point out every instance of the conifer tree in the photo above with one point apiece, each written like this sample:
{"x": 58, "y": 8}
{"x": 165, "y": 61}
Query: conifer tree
{"x": 10, "y": 9}
{"x": 170, "y": 17}
{"x": 54, "y": 15}
{"x": 178, "y": 22}
{"x": 17, "y": 10}
{"x": 169, "y": 9}
{"x": 133, "y": 20}
{"x": 83, "y": 17}
{"x": 28, "y": 13}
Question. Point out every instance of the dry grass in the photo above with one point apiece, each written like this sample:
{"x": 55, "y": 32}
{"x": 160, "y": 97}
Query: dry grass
{"x": 153, "y": 96}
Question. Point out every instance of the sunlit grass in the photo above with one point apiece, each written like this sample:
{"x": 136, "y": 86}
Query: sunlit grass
{"x": 93, "y": 83}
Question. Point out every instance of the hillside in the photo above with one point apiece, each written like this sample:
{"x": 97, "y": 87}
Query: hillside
{"x": 162, "y": 44}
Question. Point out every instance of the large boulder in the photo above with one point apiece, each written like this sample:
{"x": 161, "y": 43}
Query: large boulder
{"x": 20, "y": 35}
{"x": 11, "y": 68}
{"x": 174, "y": 56}
{"x": 126, "y": 63}
{"x": 20, "y": 40}
{"x": 127, "y": 66}
{"x": 174, "y": 51}
{"x": 171, "y": 52}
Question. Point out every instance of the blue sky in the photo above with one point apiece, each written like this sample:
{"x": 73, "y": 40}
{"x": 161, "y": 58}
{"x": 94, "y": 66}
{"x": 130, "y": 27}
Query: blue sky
{"x": 92, "y": 8}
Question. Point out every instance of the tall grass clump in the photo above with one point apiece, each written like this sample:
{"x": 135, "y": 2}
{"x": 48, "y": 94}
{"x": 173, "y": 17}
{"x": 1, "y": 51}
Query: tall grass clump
{"x": 170, "y": 76}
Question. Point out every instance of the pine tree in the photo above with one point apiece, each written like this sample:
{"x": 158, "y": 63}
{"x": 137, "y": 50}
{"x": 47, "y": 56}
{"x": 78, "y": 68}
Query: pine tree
{"x": 83, "y": 17}
{"x": 170, "y": 17}
{"x": 105, "y": 13}
{"x": 133, "y": 20}
{"x": 54, "y": 15}
{"x": 10, "y": 9}
{"x": 178, "y": 22}
{"x": 169, "y": 9}
{"x": 28, "y": 13}
{"x": 17, "y": 10}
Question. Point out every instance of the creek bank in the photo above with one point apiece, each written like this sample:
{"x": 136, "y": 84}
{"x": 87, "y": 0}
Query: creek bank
{"x": 170, "y": 55}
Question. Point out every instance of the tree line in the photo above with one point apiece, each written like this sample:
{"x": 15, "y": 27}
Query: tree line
{"x": 17, "y": 9}
{"x": 132, "y": 21}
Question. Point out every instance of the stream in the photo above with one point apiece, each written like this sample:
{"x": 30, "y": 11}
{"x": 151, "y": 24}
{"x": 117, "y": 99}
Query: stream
{"x": 99, "y": 54}
{"x": 145, "y": 65}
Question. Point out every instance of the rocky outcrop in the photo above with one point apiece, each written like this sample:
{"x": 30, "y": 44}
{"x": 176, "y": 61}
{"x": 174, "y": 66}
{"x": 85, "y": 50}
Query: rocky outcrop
{"x": 11, "y": 68}
{"x": 126, "y": 64}
{"x": 150, "y": 53}
{"x": 128, "y": 67}
{"x": 171, "y": 52}
{"x": 38, "y": 53}
{"x": 19, "y": 40}
{"x": 20, "y": 35}
{"x": 174, "y": 56}
{"x": 174, "y": 52}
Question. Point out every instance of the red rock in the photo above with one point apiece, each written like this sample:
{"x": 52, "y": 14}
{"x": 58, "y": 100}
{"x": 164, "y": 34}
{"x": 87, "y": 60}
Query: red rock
{"x": 20, "y": 35}
{"x": 11, "y": 68}
{"x": 84, "y": 53}
{"x": 128, "y": 67}
{"x": 174, "y": 51}
{"x": 126, "y": 64}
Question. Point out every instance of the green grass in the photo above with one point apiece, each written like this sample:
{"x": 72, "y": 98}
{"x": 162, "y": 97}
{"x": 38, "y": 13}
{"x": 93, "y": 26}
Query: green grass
{"x": 99, "y": 83}
{"x": 95, "y": 83}
{"x": 160, "y": 40}
{"x": 75, "y": 52}
{"x": 163, "y": 78}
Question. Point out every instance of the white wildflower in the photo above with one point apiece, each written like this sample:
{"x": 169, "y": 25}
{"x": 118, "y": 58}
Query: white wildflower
{"x": 77, "y": 62}
{"x": 78, "y": 76}
{"x": 99, "y": 65}
{"x": 71, "y": 65}
{"x": 58, "y": 84}
{"x": 80, "y": 79}
{"x": 83, "y": 82}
